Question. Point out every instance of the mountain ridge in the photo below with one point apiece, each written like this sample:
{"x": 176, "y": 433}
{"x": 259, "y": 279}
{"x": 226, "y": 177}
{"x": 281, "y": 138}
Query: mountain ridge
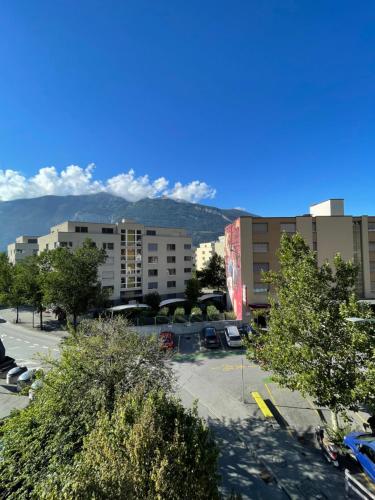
{"x": 35, "y": 216}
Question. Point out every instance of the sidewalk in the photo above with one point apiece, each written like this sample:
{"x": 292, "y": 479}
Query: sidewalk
{"x": 25, "y": 315}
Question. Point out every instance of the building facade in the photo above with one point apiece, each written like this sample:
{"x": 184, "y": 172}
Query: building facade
{"x": 251, "y": 244}
{"x": 24, "y": 246}
{"x": 205, "y": 251}
{"x": 140, "y": 259}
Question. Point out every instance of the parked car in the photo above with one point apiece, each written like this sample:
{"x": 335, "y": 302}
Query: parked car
{"x": 246, "y": 330}
{"x": 167, "y": 340}
{"x": 362, "y": 448}
{"x": 26, "y": 378}
{"x": 14, "y": 373}
{"x": 232, "y": 336}
{"x": 210, "y": 337}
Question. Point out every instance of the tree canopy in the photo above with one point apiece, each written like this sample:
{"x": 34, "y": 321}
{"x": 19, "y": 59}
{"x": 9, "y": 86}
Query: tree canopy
{"x": 71, "y": 278}
{"x": 104, "y": 423}
{"x": 213, "y": 275}
{"x": 193, "y": 290}
{"x": 310, "y": 345}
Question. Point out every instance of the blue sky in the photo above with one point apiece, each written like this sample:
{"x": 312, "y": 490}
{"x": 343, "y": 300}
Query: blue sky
{"x": 269, "y": 103}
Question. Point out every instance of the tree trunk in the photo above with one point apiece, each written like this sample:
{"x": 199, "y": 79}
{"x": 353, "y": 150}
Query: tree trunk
{"x": 16, "y": 314}
{"x": 41, "y": 318}
{"x": 334, "y": 420}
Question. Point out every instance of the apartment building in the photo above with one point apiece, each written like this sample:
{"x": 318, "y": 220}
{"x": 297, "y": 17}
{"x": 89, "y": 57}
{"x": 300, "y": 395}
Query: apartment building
{"x": 24, "y": 246}
{"x": 140, "y": 259}
{"x": 251, "y": 244}
{"x": 205, "y": 251}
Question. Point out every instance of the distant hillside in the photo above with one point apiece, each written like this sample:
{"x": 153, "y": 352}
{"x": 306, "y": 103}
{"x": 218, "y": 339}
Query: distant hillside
{"x": 36, "y": 215}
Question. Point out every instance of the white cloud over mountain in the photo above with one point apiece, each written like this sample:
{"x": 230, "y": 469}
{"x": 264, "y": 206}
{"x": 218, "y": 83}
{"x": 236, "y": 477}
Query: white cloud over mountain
{"x": 77, "y": 180}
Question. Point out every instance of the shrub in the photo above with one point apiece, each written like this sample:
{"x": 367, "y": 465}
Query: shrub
{"x": 212, "y": 313}
{"x": 230, "y": 315}
{"x": 164, "y": 311}
{"x": 196, "y": 314}
{"x": 179, "y": 315}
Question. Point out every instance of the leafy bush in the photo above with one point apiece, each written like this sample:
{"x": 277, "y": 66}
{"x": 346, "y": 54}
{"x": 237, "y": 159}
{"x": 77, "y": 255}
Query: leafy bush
{"x": 179, "y": 315}
{"x": 230, "y": 315}
{"x": 164, "y": 311}
{"x": 212, "y": 313}
{"x": 196, "y": 314}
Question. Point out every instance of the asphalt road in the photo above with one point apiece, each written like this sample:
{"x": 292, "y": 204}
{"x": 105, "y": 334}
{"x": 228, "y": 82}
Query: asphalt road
{"x": 26, "y": 347}
{"x": 255, "y": 450}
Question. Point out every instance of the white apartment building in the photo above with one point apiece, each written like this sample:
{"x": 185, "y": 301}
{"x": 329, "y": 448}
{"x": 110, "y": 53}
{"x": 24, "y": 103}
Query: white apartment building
{"x": 140, "y": 259}
{"x": 24, "y": 246}
{"x": 205, "y": 251}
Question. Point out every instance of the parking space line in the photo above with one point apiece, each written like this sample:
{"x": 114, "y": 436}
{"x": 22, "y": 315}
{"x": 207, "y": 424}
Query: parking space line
{"x": 262, "y": 405}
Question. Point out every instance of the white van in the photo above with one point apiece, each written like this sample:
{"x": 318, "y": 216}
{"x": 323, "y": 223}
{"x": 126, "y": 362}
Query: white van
{"x": 232, "y": 336}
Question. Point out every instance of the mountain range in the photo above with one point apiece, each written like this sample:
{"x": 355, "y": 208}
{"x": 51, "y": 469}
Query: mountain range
{"x": 35, "y": 216}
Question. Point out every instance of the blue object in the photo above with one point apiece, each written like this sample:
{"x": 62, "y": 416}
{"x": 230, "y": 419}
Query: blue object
{"x": 363, "y": 447}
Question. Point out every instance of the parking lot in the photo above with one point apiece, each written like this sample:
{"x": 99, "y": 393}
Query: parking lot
{"x": 229, "y": 370}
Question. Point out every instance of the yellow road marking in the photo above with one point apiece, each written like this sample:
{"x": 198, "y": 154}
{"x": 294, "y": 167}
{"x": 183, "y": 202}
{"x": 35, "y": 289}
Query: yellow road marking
{"x": 262, "y": 405}
{"x": 229, "y": 368}
{"x": 290, "y": 432}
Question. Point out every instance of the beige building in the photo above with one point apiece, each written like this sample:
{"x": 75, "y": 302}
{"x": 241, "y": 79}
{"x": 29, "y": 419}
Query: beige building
{"x": 140, "y": 259}
{"x": 24, "y": 246}
{"x": 251, "y": 244}
{"x": 205, "y": 251}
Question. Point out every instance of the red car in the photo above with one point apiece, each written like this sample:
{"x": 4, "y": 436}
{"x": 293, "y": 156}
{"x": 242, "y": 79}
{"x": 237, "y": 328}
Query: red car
{"x": 167, "y": 340}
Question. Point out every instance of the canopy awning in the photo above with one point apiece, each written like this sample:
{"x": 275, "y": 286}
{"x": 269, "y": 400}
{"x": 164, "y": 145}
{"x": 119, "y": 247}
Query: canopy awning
{"x": 207, "y": 296}
{"x": 127, "y": 307}
{"x": 168, "y": 302}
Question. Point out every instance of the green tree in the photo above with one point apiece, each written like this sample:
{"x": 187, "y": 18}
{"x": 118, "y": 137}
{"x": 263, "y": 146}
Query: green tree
{"x": 71, "y": 278}
{"x": 153, "y": 300}
{"x": 101, "y": 362}
{"x": 31, "y": 276}
{"x": 12, "y": 289}
{"x": 310, "y": 345}
{"x": 213, "y": 275}
{"x": 193, "y": 290}
{"x": 150, "y": 447}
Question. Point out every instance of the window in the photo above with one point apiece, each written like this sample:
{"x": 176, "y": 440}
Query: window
{"x": 372, "y": 266}
{"x": 108, "y": 274}
{"x": 63, "y": 244}
{"x": 288, "y": 227}
{"x": 260, "y": 247}
{"x": 187, "y": 258}
{"x": 81, "y": 229}
{"x": 315, "y": 246}
{"x": 171, "y": 272}
{"x": 171, "y": 259}
{"x": 152, "y": 247}
{"x": 260, "y": 266}
{"x": 187, "y": 270}
{"x": 150, "y": 232}
{"x": 171, "y": 247}
{"x": 108, "y": 246}
{"x": 171, "y": 284}
{"x": 187, "y": 246}
{"x": 314, "y": 226}
{"x": 373, "y": 286}
{"x": 153, "y": 260}
{"x": 32, "y": 240}
{"x": 152, "y": 272}
{"x": 260, "y": 227}
{"x": 371, "y": 226}
{"x": 371, "y": 246}
{"x": 152, "y": 285}
{"x": 186, "y": 282}
{"x": 260, "y": 288}
{"x": 107, "y": 230}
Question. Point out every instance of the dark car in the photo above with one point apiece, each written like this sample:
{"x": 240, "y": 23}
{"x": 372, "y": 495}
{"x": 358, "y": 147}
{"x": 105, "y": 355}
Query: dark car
{"x": 167, "y": 341}
{"x": 247, "y": 331}
{"x": 210, "y": 337}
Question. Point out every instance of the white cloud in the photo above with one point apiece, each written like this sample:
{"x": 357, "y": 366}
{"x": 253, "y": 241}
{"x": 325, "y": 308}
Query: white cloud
{"x": 77, "y": 180}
